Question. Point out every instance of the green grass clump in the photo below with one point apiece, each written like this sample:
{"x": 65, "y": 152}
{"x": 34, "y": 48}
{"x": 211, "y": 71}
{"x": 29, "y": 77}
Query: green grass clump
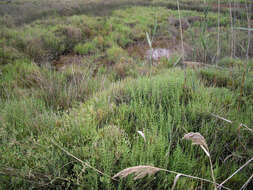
{"x": 57, "y": 90}
{"x": 232, "y": 79}
{"x": 22, "y": 74}
{"x": 220, "y": 78}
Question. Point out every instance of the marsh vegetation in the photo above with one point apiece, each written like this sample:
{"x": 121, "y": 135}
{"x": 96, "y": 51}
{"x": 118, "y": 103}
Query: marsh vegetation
{"x": 105, "y": 94}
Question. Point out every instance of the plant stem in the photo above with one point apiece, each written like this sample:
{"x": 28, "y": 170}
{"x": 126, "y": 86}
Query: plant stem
{"x": 218, "y": 35}
{"x": 182, "y": 40}
{"x": 232, "y": 29}
{"x": 211, "y": 165}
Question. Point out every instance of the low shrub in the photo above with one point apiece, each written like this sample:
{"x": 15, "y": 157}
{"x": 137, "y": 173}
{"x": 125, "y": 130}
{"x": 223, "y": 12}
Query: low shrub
{"x": 85, "y": 48}
{"x": 115, "y": 54}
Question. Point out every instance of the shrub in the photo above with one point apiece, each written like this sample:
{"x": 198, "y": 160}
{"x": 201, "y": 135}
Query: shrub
{"x": 124, "y": 68}
{"x": 35, "y": 50}
{"x": 230, "y": 62}
{"x": 22, "y": 73}
{"x": 115, "y": 53}
{"x": 72, "y": 36}
{"x": 86, "y": 48}
{"x": 220, "y": 78}
{"x": 9, "y": 54}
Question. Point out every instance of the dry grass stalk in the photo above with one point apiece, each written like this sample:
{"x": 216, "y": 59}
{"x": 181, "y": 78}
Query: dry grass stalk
{"x": 249, "y": 26}
{"x": 142, "y": 171}
{"x": 222, "y": 118}
{"x": 182, "y": 40}
{"x": 142, "y": 134}
{"x": 175, "y": 181}
{"x": 232, "y": 30}
{"x": 35, "y": 178}
{"x": 229, "y": 121}
{"x": 246, "y": 127}
{"x": 247, "y": 182}
{"x": 181, "y": 30}
{"x": 247, "y": 54}
{"x": 85, "y": 164}
{"x": 198, "y": 139}
{"x": 236, "y": 172}
{"x": 218, "y": 35}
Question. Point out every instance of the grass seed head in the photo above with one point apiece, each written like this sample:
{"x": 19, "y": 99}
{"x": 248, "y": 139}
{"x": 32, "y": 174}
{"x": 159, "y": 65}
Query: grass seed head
{"x": 138, "y": 171}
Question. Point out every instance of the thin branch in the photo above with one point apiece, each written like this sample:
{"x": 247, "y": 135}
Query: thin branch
{"x": 182, "y": 40}
{"x": 247, "y": 182}
{"x": 229, "y": 121}
{"x": 222, "y": 118}
{"x": 142, "y": 171}
{"x": 218, "y": 35}
{"x": 82, "y": 162}
{"x": 181, "y": 30}
{"x": 236, "y": 172}
{"x": 249, "y": 29}
{"x": 232, "y": 29}
{"x": 242, "y": 125}
{"x": 242, "y": 28}
{"x": 194, "y": 177}
{"x": 34, "y": 178}
{"x": 175, "y": 181}
{"x": 211, "y": 165}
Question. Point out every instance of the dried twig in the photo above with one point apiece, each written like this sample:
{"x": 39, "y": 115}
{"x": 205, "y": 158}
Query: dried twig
{"x": 34, "y": 178}
{"x": 175, "y": 181}
{"x": 232, "y": 30}
{"x": 242, "y": 125}
{"x": 182, "y": 39}
{"x": 218, "y": 35}
{"x": 142, "y": 134}
{"x": 82, "y": 162}
{"x": 236, "y": 172}
{"x": 247, "y": 182}
{"x": 222, "y": 118}
{"x": 229, "y": 121}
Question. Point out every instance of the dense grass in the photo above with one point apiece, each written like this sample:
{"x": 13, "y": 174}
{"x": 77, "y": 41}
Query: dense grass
{"x": 103, "y": 132}
{"x": 75, "y": 88}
